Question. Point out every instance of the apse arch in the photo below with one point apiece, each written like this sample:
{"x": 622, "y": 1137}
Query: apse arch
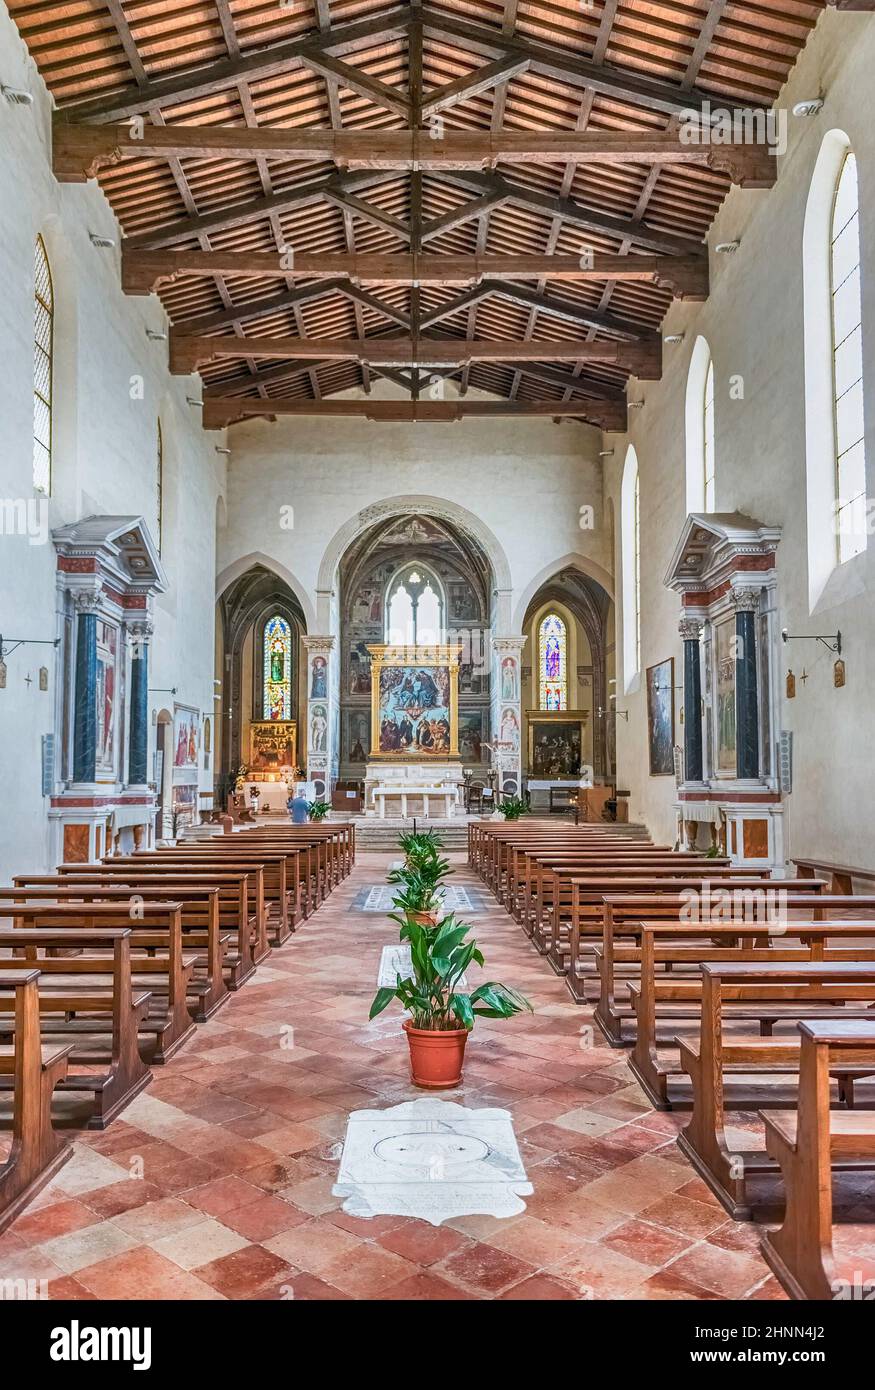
{"x": 231, "y": 573}
{"x": 572, "y": 561}
{"x": 416, "y": 505}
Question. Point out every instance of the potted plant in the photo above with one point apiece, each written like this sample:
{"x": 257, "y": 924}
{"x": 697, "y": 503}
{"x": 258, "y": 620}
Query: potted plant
{"x": 418, "y": 879}
{"x": 318, "y": 810}
{"x": 441, "y": 1013}
{"x": 512, "y": 807}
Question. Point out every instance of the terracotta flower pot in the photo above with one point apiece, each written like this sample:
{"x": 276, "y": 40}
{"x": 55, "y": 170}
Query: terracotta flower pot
{"x": 436, "y": 1057}
{"x": 424, "y": 919}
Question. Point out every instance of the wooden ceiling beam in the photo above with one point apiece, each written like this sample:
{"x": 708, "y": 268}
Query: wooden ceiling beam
{"x": 275, "y": 60}
{"x": 272, "y": 204}
{"x": 336, "y": 70}
{"x": 590, "y": 219}
{"x": 143, "y": 271}
{"x": 482, "y": 80}
{"x": 259, "y": 309}
{"x": 190, "y": 351}
{"x": 369, "y": 212}
{"x": 457, "y": 217}
{"x": 561, "y": 64}
{"x": 219, "y": 412}
{"x": 80, "y": 151}
{"x": 562, "y": 309}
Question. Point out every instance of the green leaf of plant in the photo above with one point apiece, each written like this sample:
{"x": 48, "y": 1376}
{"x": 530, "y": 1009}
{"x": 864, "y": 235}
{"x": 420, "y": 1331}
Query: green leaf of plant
{"x": 382, "y": 999}
{"x": 461, "y": 1007}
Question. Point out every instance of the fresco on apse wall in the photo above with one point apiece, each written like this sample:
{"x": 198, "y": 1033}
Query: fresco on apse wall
{"x": 360, "y": 667}
{"x": 509, "y": 685}
{"x": 319, "y": 678}
{"x": 472, "y": 734}
{"x": 660, "y": 718}
{"x": 556, "y": 748}
{"x": 724, "y": 638}
{"x": 358, "y": 735}
{"x": 107, "y": 687}
{"x": 414, "y": 710}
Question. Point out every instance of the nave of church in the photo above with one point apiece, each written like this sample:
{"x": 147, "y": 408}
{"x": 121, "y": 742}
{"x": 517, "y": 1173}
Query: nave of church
{"x": 436, "y": 660}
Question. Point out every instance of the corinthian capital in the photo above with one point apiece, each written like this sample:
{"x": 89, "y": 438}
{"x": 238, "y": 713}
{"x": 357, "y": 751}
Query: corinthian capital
{"x": 744, "y": 600}
{"x": 690, "y": 629}
{"x": 140, "y": 631}
{"x": 87, "y": 600}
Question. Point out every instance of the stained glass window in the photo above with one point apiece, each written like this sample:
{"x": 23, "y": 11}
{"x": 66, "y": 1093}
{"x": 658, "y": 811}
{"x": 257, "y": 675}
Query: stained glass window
{"x": 553, "y": 663}
{"x": 277, "y": 669}
{"x": 709, "y": 450}
{"x": 159, "y": 486}
{"x": 43, "y": 335}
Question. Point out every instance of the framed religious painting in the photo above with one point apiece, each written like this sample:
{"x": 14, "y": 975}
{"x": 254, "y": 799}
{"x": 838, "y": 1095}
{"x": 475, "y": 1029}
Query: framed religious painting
{"x": 358, "y": 735}
{"x": 186, "y": 743}
{"x": 272, "y": 749}
{"x": 660, "y": 718}
{"x": 556, "y": 745}
{"x": 106, "y": 745}
{"x": 725, "y": 647}
{"x": 471, "y": 734}
{"x": 414, "y": 702}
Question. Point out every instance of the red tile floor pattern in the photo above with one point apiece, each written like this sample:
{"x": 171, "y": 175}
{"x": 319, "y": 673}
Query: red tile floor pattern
{"x": 216, "y": 1182}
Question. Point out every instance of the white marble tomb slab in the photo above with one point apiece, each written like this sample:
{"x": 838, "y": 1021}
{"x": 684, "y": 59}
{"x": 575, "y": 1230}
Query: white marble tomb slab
{"x": 380, "y": 899}
{"x": 395, "y": 961}
{"x": 431, "y": 1159}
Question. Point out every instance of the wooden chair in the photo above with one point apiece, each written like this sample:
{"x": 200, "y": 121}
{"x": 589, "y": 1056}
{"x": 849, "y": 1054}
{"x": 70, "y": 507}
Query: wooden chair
{"x": 808, "y": 1143}
{"x": 32, "y": 1071}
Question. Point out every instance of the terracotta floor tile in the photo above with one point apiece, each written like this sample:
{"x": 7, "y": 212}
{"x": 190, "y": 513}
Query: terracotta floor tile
{"x": 217, "y": 1181}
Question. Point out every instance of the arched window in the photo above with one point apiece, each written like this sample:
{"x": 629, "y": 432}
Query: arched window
{"x": 708, "y": 467}
{"x": 159, "y": 487}
{"x": 847, "y": 364}
{"x": 700, "y": 436}
{"x": 43, "y": 346}
{"x": 630, "y": 506}
{"x": 553, "y": 663}
{"x": 414, "y": 608}
{"x": 277, "y": 667}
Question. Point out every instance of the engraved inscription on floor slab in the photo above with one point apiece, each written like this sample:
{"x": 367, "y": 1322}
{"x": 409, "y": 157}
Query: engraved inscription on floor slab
{"x": 397, "y": 960}
{"x": 379, "y": 899}
{"x": 431, "y": 1159}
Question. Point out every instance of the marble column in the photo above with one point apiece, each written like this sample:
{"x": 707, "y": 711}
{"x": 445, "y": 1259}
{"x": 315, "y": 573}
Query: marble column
{"x": 507, "y": 719}
{"x": 691, "y": 631}
{"x": 322, "y": 727}
{"x": 139, "y": 633}
{"x": 747, "y": 723}
{"x": 87, "y": 604}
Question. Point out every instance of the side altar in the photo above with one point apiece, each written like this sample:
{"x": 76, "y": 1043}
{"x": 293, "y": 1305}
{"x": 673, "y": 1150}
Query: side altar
{"x": 414, "y": 767}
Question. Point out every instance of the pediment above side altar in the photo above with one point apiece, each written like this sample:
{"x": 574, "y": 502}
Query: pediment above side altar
{"x": 717, "y": 547}
{"x": 121, "y": 548}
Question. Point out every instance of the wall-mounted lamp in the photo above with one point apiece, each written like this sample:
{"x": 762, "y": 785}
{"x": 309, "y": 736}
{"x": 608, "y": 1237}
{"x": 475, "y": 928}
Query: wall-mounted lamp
{"x": 220, "y": 450}
{"x": 10, "y": 644}
{"x": 635, "y": 405}
{"x": 606, "y": 453}
{"x": 617, "y": 713}
{"x": 163, "y": 689}
{"x": 672, "y": 339}
{"x": 104, "y": 243}
{"x": 16, "y": 96}
{"x": 832, "y": 641}
{"x": 811, "y": 107}
{"x": 193, "y": 400}
{"x": 155, "y": 335}
{"x": 727, "y": 248}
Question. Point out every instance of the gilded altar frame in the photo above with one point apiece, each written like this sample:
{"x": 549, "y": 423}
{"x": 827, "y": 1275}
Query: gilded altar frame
{"x": 272, "y": 746}
{"x": 414, "y": 658}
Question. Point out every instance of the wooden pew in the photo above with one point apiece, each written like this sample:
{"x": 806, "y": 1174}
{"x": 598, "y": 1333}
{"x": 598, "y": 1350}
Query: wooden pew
{"x": 728, "y": 901}
{"x": 807, "y": 1143}
{"x": 203, "y": 943}
{"x": 91, "y": 1004}
{"x": 577, "y": 900}
{"x": 33, "y": 1070}
{"x": 201, "y": 867}
{"x": 529, "y": 900}
{"x": 805, "y": 990}
{"x": 238, "y": 899}
{"x": 664, "y": 1004}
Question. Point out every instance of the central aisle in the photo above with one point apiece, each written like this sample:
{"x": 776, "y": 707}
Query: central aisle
{"x": 216, "y": 1181}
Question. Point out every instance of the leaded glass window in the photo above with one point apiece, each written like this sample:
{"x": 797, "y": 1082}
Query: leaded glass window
{"x": 277, "y": 659}
{"x": 847, "y": 333}
{"x": 553, "y": 660}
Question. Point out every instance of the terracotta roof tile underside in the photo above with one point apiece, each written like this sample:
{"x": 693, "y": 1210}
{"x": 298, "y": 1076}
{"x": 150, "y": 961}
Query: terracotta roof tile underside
{"x": 736, "y": 52}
